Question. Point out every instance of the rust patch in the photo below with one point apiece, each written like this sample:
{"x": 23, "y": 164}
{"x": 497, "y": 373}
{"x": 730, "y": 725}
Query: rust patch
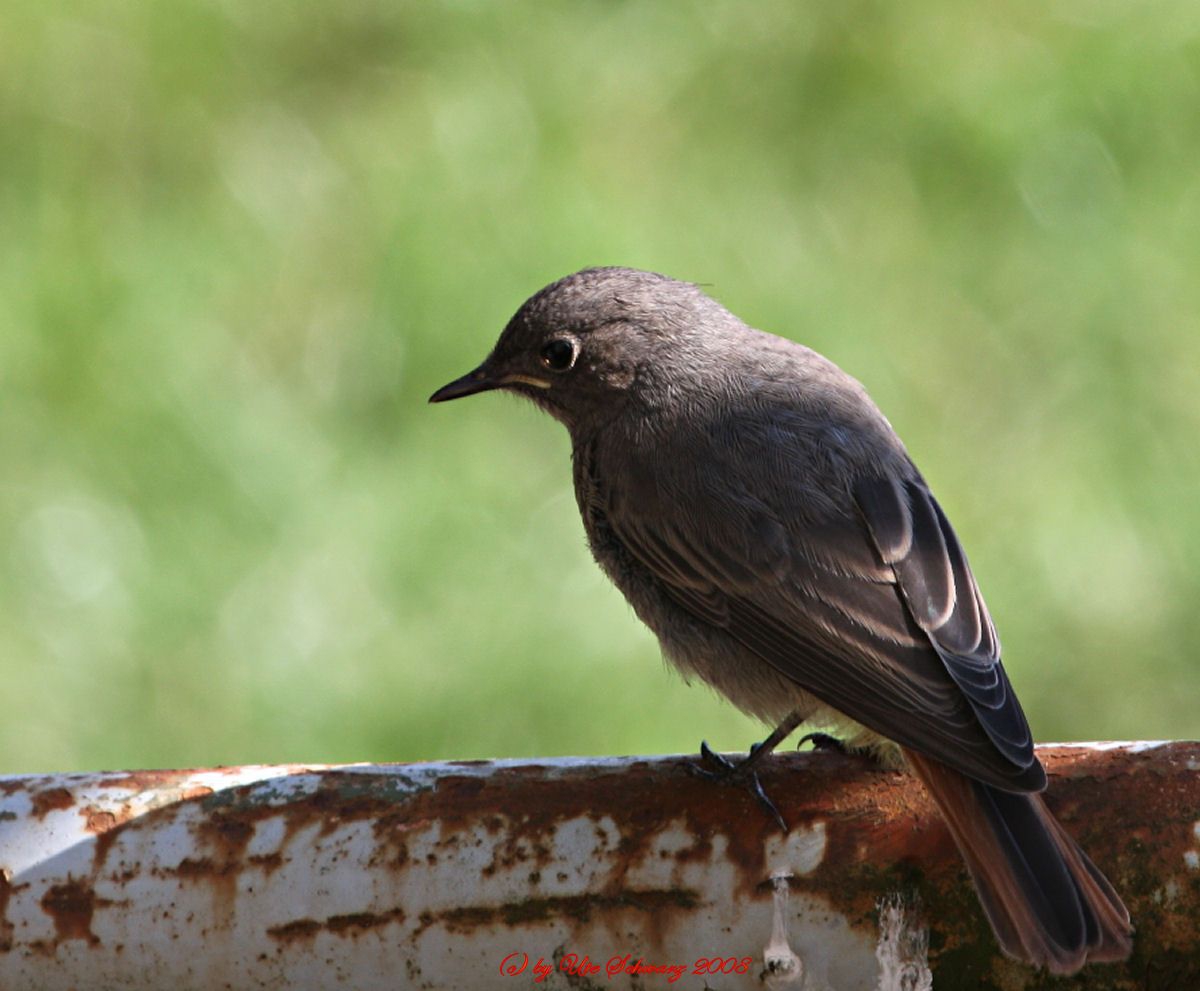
{"x": 71, "y": 906}
{"x": 200, "y": 867}
{"x": 518, "y": 850}
{"x": 350, "y": 924}
{"x": 146, "y": 780}
{"x": 99, "y": 821}
{"x": 105, "y": 826}
{"x": 50, "y": 800}
{"x": 227, "y": 835}
{"x": 196, "y": 791}
{"x": 363, "y": 920}
{"x": 299, "y": 929}
{"x": 96, "y": 820}
{"x": 104, "y": 841}
{"x": 269, "y": 862}
{"x": 580, "y": 908}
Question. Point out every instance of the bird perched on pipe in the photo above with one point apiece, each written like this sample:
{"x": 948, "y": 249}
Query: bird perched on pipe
{"x": 764, "y": 520}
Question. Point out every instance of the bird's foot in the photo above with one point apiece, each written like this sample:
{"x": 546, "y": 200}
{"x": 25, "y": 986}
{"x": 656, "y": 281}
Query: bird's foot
{"x": 720, "y": 768}
{"x": 823, "y": 741}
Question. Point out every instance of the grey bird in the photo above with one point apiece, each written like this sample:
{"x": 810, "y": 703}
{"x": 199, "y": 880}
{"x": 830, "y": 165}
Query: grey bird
{"x": 764, "y": 520}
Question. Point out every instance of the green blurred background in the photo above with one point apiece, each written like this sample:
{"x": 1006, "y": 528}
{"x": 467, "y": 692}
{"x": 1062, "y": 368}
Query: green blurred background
{"x": 242, "y": 242}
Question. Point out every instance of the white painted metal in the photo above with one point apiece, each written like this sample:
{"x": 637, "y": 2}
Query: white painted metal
{"x": 160, "y": 899}
{"x": 574, "y": 873}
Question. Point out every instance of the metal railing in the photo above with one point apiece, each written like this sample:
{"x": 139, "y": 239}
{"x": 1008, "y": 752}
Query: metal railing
{"x": 586, "y": 873}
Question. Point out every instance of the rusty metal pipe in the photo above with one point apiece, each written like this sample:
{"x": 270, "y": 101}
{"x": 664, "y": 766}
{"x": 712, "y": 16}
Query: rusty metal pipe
{"x": 591, "y": 873}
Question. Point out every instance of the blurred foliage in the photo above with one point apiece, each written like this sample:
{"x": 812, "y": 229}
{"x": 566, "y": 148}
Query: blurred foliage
{"x": 242, "y": 242}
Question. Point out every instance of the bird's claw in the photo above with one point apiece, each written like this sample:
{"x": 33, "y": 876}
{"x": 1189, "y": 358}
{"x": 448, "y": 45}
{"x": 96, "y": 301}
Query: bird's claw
{"x": 823, "y": 741}
{"x": 720, "y": 768}
{"x": 724, "y": 770}
{"x": 756, "y": 787}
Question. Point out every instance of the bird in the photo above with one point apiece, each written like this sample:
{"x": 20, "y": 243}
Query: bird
{"x": 766, "y": 522}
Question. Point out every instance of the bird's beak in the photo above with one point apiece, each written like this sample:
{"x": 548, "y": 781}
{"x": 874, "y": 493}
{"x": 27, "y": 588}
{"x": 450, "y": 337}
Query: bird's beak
{"x": 479, "y": 380}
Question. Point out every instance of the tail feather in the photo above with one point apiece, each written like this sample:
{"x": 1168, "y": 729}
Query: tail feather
{"x": 1047, "y": 902}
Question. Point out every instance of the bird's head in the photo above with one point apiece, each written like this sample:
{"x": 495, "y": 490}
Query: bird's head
{"x": 588, "y": 344}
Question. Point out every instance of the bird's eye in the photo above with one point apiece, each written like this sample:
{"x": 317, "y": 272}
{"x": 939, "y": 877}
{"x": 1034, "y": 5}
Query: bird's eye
{"x": 558, "y": 355}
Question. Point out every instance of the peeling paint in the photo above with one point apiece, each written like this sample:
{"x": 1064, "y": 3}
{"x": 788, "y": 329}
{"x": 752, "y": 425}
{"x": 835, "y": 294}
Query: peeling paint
{"x": 903, "y": 947}
{"x": 50, "y": 800}
{"x": 71, "y": 905}
{"x": 782, "y": 968}
{"x": 428, "y": 876}
{"x": 1128, "y": 746}
{"x": 100, "y": 820}
{"x": 799, "y": 852}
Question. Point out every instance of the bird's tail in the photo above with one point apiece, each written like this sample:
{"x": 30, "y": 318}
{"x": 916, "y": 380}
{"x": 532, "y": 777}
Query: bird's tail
{"x": 1048, "y": 904}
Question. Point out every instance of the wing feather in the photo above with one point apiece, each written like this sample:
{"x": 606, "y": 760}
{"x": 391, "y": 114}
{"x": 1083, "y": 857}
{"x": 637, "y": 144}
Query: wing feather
{"x": 944, "y": 599}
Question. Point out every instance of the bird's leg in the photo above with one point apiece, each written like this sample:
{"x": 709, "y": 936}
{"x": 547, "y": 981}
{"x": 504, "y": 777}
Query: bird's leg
{"x": 721, "y": 768}
{"x": 757, "y": 750}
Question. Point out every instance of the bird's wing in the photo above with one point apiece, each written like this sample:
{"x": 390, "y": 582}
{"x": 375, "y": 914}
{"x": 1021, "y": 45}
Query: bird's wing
{"x": 875, "y": 613}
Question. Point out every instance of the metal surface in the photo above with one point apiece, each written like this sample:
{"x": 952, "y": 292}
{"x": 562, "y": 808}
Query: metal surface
{"x": 616, "y": 873}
